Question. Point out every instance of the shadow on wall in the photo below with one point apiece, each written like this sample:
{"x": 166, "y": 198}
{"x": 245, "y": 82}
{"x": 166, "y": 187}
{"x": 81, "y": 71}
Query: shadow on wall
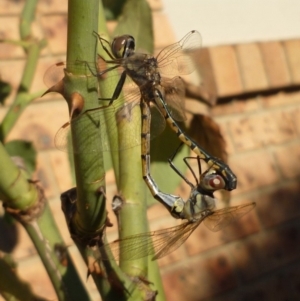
{"x": 262, "y": 266}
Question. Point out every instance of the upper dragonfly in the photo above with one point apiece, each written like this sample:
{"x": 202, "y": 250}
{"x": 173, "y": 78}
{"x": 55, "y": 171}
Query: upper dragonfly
{"x": 157, "y": 85}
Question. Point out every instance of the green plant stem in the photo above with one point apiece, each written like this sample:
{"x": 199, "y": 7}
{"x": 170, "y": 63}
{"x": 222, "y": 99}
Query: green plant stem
{"x": 107, "y": 91}
{"x": 15, "y": 189}
{"x": 20, "y": 194}
{"x": 132, "y": 217}
{"x": 89, "y": 167}
{"x": 22, "y": 98}
{"x": 65, "y": 279}
{"x": 27, "y": 17}
{"x": 90, "y": 215}
{"x": 155, "y": 278}
{"x": 32, "y": 49}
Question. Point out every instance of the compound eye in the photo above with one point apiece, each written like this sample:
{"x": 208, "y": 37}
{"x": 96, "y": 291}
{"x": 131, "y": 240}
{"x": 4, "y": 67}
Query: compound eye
{"x": 123, "y": 46}
{"x": 212, "y": 181}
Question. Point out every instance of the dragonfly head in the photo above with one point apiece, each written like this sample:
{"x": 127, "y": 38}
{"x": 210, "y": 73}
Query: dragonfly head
{"x": 123, "y": 46}
{"x": 211, "y": 181}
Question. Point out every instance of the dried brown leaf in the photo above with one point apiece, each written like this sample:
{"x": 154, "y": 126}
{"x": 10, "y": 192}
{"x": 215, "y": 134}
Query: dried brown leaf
{"x": 206, "y": 132}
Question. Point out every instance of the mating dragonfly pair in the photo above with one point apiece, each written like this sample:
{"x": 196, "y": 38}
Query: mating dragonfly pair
{"x": 153, "y": 89}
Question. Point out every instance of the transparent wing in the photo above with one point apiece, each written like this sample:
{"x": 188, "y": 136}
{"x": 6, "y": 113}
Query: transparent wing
{"x": 219, "y": 219}
{"x": 156, "y": 243}
{"x": 94, "y": 132}
{"x": 176, "y": 241}
{"x": 174, "y": 97}
{"x": 174, "y": 59}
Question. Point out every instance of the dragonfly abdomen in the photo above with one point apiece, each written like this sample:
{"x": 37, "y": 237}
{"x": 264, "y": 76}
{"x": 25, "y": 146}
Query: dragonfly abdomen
{"x": 212, "y": 162}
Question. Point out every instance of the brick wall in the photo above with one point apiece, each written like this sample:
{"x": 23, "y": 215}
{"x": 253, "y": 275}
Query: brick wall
{"x": 257, "y": 85}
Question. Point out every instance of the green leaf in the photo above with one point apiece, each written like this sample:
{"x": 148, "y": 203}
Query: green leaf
{"x": 25, "y": 150}
{"x": 5, "y": 89}
{"x": 136, "y": 20}
{"x": 162, "y": 148}
{"x": 113, "y": 8}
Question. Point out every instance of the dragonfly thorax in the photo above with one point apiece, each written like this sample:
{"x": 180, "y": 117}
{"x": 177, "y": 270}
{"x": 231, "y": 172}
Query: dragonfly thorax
{"x": 142, "y": 69}
{"x": 197, "y": 204}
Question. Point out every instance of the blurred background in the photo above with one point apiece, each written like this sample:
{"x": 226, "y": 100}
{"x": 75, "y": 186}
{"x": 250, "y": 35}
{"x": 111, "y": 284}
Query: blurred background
{"x": 249, "y": 64}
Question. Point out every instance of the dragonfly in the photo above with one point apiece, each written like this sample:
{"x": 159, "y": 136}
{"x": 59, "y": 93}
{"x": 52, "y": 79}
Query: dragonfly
{"x": 200, "y": 207}
{"x": 158, "y": 88}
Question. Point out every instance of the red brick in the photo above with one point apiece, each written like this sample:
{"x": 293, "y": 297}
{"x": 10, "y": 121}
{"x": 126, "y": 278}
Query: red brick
{"x": 228, "y": 139}
{"x": 11, "y": 72}
{"x": 288, "y": 159}
{"x": 10, "y": 32}
{"x": 292, "y": 49}
{"x": 223, "y": 109}
{"x": 155, "y": 4}
{"x": 254, "y": 170}
{"x": 44, "y": 174}
{"x": 59, "y": 217}
{"x": 203, "y": 63}
{"x": 39, "y": 123}
{"x": 53, "y": 6}
{"x": 282, "y": 284}
{"x": 236, "y": 106}
{"x": 265, "y": 129}
{"x": 8, "y": 7}
{"x": 266, "y": 252}
{"x": 204, "y": 278}
{"x": 275, "y": 64}
{"x": 163, "y": 33}
{"x": 33, "y": 272}
{"x": 24, "y": 246}
{"x": 252, "y": 67}
{"x": 61, "y": 167}
{"x": 279, "y": 205}
{"x": 281, "y": 99}
{"x": 296, "y": 119}
{"x": 55, "y": 28}
{"x": 226, "y": 70}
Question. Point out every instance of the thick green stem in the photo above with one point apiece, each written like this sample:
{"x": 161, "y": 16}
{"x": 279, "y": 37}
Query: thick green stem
{"x": 64, "y": 277}
{"x": 15, "y": 189}
{"x": 26, "y": 202}
{"x": 89, "y": 167}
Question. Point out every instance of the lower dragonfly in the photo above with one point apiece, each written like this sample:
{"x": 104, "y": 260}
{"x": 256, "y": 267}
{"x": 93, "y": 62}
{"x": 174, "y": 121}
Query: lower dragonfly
{"x": 167, "y": 95}
{"x": 200, "y": 207}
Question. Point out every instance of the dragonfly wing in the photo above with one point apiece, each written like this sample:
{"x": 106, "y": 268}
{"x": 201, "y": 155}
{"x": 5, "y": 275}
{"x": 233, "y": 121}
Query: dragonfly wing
{"x": 222, "y": 218}
{"x": 174, "y": 242}
{"x": 174, "y": 59}
{"x": 174, "y": 90}
{"x": 92, "y": 133}
{"x": 158, "y": 243}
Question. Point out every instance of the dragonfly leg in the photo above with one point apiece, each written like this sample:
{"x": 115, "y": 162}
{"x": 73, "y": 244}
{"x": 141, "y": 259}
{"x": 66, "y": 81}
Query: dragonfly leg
{"x": 116, "y": 93}
{"x": 103, "y": 46}
{"x": 170, "y": 160}
{"x": 118, "y": 89}
{"x": 191, "y": 169}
